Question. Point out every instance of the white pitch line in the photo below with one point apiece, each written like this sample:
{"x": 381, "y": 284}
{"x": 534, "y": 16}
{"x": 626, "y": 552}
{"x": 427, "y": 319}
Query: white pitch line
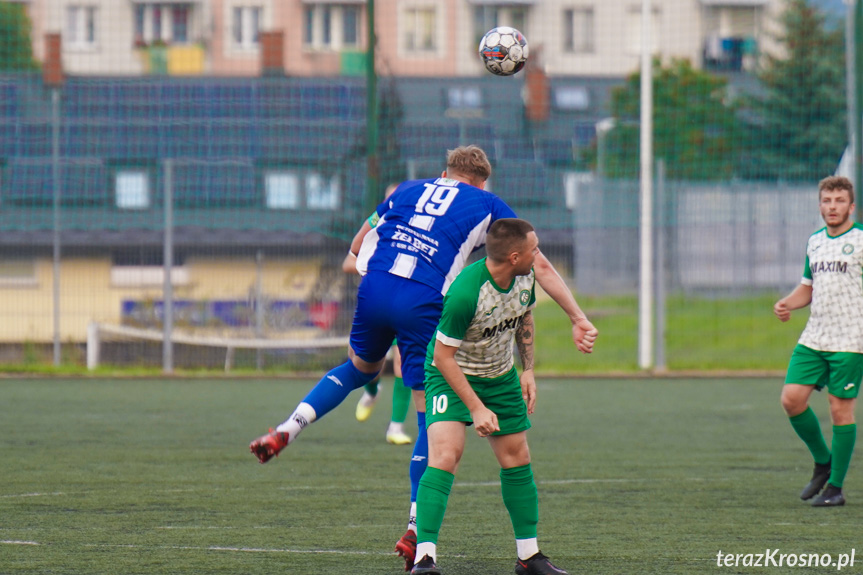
{"x": 226, "y": 527}
{"x": 568, "y": 481}
{"x": 228, "y": 549}
{"x": 195, "y": 527}
{"x": 54, "y": 494}
{"x": 245, "y": 549}
{"x": 306, "y": 551}
{"x": 554, "y": 482}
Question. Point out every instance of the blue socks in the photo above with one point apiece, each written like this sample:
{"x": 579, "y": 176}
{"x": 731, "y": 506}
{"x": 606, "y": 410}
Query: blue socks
{"x": 420, "y": 458}
{"x": 335, "y": 386}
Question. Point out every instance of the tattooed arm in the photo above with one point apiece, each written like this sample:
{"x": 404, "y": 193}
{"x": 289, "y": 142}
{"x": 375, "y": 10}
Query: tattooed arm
{"x": 524, "y": 341}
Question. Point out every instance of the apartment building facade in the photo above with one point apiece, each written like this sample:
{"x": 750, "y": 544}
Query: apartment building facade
{"x": 423, "y": 38}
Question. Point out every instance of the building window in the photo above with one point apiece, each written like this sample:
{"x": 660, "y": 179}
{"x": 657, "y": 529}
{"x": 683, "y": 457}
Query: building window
{"x": 579, "y": 31}
{"x": 634, "y": 30}
{"x": 17, "y": 272}
{"x": 156, "y": 22}
{"x": 327, "y": 39}
{"x": 144, "y": 267}
{"x": 286, "y": 189}
{"x": 464, "y": 101}
{"x": 572, "y": 98}
{"x": 81, "y": 26}
{"x": 420, "y": 30}
{"x": 487, "y": 17}
{"x": 132, "y": 188}
{"x": 246, "y": 26}
{"x": 322, "y": 193}
{"x": 140, "y": 11}
{"x": 308, "y": 26}
{"x": 282, "y": 190}
{"x": 331, "y": 26}
{"x": 180, "y": 23}
{"x": 351, "y": 25}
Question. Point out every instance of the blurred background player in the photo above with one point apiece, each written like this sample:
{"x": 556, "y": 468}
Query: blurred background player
{"x": 371, "y": 391}
{"x": 421, "y": 238}
{"x": 401, "y": 402}
{"x": 471, "y": 379}
{"x": 830, "y": 349}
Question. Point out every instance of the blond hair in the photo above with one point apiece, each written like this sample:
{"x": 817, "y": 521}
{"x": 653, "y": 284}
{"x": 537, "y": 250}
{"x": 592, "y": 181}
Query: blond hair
{"x": 469, "y": 162}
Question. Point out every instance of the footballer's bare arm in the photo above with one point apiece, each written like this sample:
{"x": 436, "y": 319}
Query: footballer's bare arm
{"x": 524, "y": 340}
{"x": 524, "y": 335}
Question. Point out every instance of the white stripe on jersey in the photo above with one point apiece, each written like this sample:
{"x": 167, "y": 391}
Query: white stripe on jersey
{"x": 447, "y": 340}
{"x": 367, "y": 249}
{"x": 422, "y": 222}
{"x": 475, "y": 239}
{"x": 404, "y": 266}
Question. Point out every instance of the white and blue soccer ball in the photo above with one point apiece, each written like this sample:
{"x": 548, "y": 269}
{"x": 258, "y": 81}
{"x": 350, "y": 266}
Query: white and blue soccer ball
{"x": 503, "y": 50}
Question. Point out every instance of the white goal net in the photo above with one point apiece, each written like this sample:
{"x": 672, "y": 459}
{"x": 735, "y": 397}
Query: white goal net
{"x": 126, "y": 346}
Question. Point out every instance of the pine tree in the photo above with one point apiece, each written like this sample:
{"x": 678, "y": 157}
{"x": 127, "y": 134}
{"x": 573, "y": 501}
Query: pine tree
{"x": 797, "y": 129}
{"x": 695, "y": 130}
{"x": 16, "y": 47}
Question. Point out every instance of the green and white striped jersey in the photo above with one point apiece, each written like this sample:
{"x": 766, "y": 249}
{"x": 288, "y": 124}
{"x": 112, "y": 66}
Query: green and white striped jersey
{"x": 480, "y": 318}
{"x": 834, "y": 269}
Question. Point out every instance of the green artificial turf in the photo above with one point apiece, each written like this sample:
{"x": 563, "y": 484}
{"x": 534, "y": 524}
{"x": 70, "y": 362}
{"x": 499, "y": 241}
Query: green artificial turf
{"x": 635, "y": 476}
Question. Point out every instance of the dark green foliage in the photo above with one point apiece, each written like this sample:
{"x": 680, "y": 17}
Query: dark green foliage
{"x": 695, "y": 128}
{"x": 16, "y": 48}
{"x": 798, "y": 127}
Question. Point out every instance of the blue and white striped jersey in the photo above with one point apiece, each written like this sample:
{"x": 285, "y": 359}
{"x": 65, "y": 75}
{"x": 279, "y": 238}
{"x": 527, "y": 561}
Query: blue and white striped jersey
{"x": 426, "y": 230}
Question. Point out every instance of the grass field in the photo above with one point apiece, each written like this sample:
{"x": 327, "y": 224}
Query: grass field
{"x": 635, "y": 476}
{"x": 701, "y": 334}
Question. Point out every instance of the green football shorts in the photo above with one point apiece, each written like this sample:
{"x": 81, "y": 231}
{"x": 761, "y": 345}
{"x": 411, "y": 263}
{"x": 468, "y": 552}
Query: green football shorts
{"x": 502, "y": 395}
{"x": 840, "y": 371}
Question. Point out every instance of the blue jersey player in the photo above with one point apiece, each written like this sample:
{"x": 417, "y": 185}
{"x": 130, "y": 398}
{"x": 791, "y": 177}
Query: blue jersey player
{"x": 420, "y": 241}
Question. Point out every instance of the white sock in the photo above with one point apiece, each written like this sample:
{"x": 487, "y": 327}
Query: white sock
{"x": 424, "y": 549}
{"x": 395, "y": 427}
{"x": 299, "y": 419}
{"x": 525, "y": 548}
{"x": 412, "y": 518}
{"x": 368, "y": 399}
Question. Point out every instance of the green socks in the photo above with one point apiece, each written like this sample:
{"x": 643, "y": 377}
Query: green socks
{"x": 517, "y": 488}
{"x": 401, "y": 398}
{"x": 372, "y": 386}
{"x": 401, "y": 401}
{"x": 432, "y": 496}
{"x": 844, "y": 437}
{"x": 521, "y": 500}
{"x": 809, "y": 430}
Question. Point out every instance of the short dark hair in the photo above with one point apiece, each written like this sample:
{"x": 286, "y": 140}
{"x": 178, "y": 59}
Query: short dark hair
{"x": 506, "y": 236}
{"x": 470, "y": 162}
{"x": 833, "y": 183}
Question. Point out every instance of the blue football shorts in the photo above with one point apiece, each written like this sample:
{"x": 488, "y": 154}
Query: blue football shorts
{"x": 388, "y": 307}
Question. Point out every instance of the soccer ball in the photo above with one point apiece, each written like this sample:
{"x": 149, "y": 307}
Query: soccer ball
{"x": 503, "y": 50}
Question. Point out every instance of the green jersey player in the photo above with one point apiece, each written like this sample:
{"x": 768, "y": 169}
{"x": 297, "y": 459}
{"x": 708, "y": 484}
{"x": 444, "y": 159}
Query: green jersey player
{"x": 471, "y": 379}
{"x": 830, "y": 350}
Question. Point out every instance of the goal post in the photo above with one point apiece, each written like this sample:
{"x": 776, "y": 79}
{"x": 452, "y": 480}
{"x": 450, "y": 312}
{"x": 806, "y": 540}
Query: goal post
{"x": 97, "y": 333}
